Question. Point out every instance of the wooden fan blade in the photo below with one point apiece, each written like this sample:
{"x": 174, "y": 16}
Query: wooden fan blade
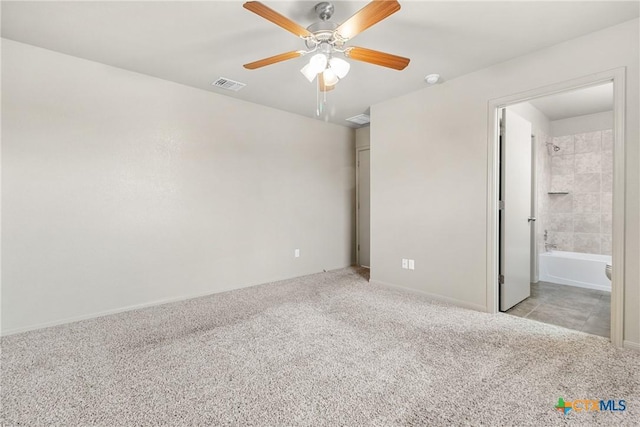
{"x": 324, "y": 87}
{"x": 377, "y": 58}
{"x": 273, "y": 16}
{"x": 369, "y": 15}
{"x": 273, "y": 59}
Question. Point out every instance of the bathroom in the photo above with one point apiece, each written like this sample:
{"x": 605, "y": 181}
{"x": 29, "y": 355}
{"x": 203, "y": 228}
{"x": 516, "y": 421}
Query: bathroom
{"x": 572, "y": 205}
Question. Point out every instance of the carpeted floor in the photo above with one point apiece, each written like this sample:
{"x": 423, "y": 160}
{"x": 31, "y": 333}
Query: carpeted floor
{"x": 327, "y": 349}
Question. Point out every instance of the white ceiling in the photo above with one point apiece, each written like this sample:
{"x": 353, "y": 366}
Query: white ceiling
{"x": 590, "y": 100}
{"x": 194, "y": 43}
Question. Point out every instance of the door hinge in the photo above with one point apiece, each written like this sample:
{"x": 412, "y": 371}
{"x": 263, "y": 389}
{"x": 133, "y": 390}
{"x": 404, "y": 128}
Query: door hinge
{"x": 501, "y": 279}
{"x": 500, "y": 204}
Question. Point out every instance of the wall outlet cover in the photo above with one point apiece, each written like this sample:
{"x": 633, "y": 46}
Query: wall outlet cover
{"x": 412, "y": 264}
{"x": 405, "y": 263}
{"x": 296, "y": 253}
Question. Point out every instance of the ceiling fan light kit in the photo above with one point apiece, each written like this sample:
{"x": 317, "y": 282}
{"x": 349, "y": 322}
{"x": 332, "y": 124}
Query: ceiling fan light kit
{"x": 330, "y": 77}
{"x": 326, "y": 39}
{"x": 318, "y": 63}
{"x": 340, "y": 67}
{"x": 309, "y": 72}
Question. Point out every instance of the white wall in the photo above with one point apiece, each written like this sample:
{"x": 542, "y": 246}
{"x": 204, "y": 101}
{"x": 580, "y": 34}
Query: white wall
{"x": 582, "y": 124}
{"x": 539, "y": 122}
{"x": 120, "y": 189}
{"x": 429, "y": 174}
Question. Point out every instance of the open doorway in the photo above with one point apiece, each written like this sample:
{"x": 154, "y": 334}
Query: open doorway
{"x": 570, "y": 236}
{"x": 558, "y": 162}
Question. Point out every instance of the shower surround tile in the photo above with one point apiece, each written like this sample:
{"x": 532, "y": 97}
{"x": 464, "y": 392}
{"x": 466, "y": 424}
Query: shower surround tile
{"x": 606, "y": 222}
{"x": 543, "y": 169}
{"x": 560, "y": 222}
{"x": 585, "y": 182}
{"x": 607, "y": 140}
{"x": 586, "y": 243}
{"x": 607, "y": 182}
{"x": 586, "y": 223}
{"x": 588, "y": 142}
{"x": 607, "y": 161}
{"x": 587, "y": 162}
{"x": 563, "y": 241}
{"x": 605, "y": 244}
{"x": 562, "y": 183}
{"x": 606, "y": 202}
{"x": 565, "y": 143}
{"x": 562, "y": 165}
{"x": 581, "y": 220}
{"x": 586, "y": 203}
{"x": 561, "y": 203}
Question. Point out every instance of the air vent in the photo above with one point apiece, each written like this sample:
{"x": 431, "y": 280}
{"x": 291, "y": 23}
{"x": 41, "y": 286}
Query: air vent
{"x": 228, "y": 84}
{"x": 360, "y": 119}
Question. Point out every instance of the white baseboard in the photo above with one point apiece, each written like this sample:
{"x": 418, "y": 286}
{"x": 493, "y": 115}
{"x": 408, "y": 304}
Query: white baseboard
{"x": 631, "y": 345}
{"x": 436, "y": 297}
{"x": 108, "y": 312}
{"x": 148, "y": 304}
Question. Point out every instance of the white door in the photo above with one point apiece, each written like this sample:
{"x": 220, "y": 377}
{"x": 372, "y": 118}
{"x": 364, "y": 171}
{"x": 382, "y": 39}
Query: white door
{"x": 515, "y": 217}
{"x": 364, "y": 210}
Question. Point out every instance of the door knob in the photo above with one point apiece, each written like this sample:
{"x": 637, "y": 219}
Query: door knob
{"x": 531, "y": 218}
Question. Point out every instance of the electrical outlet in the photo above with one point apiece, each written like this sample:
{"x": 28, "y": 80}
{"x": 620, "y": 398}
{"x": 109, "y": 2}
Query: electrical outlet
{"x": 296, "y": 253}
{"x": 412, "y": 264}
{"x": 405, "y": 263}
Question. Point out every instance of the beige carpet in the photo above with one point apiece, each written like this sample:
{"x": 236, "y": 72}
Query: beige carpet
{"x": 327, "y": 349}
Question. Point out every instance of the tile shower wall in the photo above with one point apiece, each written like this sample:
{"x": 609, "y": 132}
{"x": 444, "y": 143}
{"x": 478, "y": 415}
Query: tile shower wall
{"x": 543, "y": 174}
{"x": 580, "y": 220}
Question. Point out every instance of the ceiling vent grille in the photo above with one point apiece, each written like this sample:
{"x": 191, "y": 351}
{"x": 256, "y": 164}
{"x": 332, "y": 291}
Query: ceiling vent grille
{"x": 360, "y": 119}
{"x": 228, "y": 84}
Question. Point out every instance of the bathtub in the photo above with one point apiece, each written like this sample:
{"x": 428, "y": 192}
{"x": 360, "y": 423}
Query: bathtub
{"x": 575, "y": 269}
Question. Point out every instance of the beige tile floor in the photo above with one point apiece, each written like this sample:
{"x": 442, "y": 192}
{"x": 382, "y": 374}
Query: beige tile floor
{"x": 580, "y": 309}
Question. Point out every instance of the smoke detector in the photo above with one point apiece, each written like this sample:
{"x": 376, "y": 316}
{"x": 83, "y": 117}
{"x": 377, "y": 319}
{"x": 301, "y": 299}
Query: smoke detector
{"x": 432, "y": 79}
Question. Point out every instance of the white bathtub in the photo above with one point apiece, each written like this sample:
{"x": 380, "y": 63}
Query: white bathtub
{"x": 575, "y": 269}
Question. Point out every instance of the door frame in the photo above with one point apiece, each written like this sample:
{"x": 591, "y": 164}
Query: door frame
{"x": 358, "y": 151}
{"x": 617, "y": 76}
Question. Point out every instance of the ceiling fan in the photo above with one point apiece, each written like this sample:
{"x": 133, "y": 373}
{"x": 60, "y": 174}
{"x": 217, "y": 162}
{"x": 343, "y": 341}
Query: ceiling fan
{"x": 326, "y": 39}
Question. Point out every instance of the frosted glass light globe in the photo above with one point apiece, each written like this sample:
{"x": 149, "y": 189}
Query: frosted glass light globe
{"x": 330, "y": 77}
{"x": 318, "y": 62}
{"x": 309, "y": 72}
{"x": 340, "y": 67}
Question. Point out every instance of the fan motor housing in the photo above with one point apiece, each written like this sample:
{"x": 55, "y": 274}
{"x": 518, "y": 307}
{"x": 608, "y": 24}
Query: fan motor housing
{"x": 323, "y": 31}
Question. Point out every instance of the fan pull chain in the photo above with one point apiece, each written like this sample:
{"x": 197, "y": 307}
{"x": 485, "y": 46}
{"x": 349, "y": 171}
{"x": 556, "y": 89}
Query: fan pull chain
{"x": 320, "y": 102}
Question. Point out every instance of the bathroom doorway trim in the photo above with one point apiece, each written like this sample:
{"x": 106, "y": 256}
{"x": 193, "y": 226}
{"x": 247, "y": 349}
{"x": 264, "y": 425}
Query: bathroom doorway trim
{"x": 617, "y": 76}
